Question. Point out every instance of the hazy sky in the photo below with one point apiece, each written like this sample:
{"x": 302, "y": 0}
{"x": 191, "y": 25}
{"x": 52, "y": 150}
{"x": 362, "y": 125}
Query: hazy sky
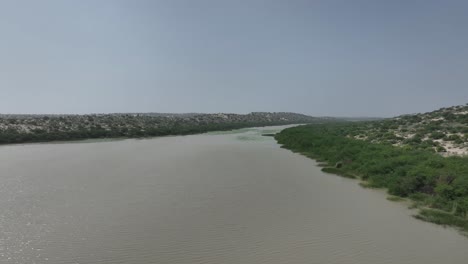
{"x": 342, "y": 58}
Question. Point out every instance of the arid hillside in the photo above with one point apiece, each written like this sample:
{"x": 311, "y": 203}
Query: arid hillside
{"x": 444, "y": 130}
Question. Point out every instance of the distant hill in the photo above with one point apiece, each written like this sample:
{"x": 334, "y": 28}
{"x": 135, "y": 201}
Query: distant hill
{"x": 359, "y": 118}
{"x": 444, "y": 130}
{"x": 39, "y": 128}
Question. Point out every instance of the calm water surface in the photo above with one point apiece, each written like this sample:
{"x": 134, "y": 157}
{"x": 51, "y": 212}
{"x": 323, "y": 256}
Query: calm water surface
{"x": 212, "y": 198}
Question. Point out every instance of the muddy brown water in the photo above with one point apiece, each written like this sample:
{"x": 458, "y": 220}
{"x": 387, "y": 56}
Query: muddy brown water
{"x": 233, "y": 197}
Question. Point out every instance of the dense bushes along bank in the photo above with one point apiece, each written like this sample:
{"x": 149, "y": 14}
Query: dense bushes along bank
{"x": 10, "y": 136}
{"x": 429, "y": 179}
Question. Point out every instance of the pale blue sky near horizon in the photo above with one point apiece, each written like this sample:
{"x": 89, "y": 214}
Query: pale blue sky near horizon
{"x": 323, "y": 58}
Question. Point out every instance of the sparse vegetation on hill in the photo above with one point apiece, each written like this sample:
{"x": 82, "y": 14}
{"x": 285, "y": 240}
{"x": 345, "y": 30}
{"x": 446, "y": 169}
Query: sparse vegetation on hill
{"x": 444, "y": 131}
{"x": 41, "y": 128}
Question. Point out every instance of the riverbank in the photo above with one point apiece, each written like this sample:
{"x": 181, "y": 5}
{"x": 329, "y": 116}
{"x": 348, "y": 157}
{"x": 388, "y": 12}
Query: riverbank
{"x": 48, "y": 128}
{"x": 437, "y": 185}
{"x": 71, "y": 137}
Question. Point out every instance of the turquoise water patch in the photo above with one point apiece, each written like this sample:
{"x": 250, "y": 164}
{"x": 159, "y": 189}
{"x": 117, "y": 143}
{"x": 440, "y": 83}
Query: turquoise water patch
{"x": 250, "y": 134}
{"x": 236, "y": 131}
{"x": 257, "y": 135}
{"x": 251, "y": 137}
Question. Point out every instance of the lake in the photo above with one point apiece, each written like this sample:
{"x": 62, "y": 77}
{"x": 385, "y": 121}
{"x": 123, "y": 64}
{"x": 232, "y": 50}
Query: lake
{"x": 227, "y": 197}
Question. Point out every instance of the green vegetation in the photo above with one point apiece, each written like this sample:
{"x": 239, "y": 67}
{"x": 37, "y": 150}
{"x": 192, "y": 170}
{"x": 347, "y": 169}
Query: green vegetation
{"x": 442, "y": 218}
{"x": 412, "y": 171}
{"x": 338, "y": 172}
{"x": 31, "y": 128}
{"x": 395, "y": 198}
{"x": 12, "y": 136}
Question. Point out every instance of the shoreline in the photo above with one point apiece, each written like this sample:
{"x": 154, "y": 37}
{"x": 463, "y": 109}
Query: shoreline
{"x": 425, "y": 213}
{"x": 113, "y": 139}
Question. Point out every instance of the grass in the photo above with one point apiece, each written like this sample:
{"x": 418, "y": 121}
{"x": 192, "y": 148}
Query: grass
{"x": 395, "y": 198}
{"x": 368, "y": 185}
{"x": 338, "y": 172}
{"x": 443, "y": 218}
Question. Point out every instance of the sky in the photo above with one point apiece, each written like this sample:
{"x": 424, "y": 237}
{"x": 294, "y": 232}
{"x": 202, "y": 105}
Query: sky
{"x": 322, "y": 58}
